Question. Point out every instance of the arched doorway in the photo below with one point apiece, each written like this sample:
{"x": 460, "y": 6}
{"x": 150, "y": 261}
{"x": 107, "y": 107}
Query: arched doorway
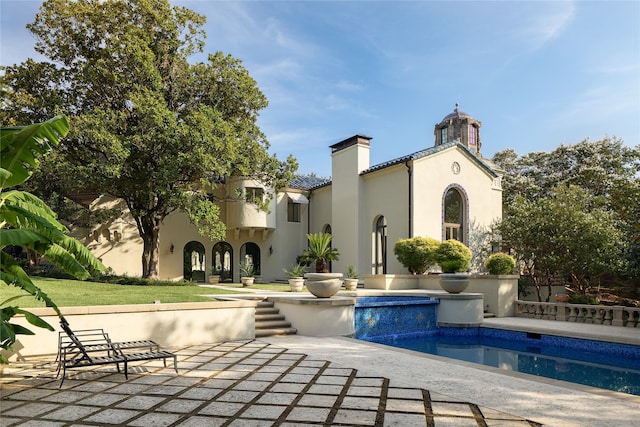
{"x": 380, "y": 246}
{"x": 222, "y": 260}
{"x": 193, "y": 262}
{"x": 454, "y": 214}
{"x": 250, "y": 254}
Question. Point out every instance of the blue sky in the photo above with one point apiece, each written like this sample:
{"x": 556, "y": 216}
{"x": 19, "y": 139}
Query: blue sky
{"x": 537, "y": 74}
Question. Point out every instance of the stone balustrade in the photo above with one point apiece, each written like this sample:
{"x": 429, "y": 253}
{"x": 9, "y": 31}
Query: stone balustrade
{"x": 616, "y": 315}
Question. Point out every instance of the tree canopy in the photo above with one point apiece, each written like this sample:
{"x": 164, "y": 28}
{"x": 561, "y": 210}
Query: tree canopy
{"x": 148, "y": 126}
{"x": 572, "y": 212}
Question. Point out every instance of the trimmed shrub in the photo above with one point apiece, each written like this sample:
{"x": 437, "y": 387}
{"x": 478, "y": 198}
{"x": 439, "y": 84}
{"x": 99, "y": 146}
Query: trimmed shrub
{"x": 453, "y": 256}
{"x": 500, "y": 263}
{"x": 137, "y": 281}
{"x": 416, "y": 253}
{"x": 582, "y": 299}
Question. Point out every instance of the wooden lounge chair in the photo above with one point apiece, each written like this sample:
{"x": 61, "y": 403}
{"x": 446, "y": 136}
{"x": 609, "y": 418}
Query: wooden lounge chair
{"x": 93, "y": 347}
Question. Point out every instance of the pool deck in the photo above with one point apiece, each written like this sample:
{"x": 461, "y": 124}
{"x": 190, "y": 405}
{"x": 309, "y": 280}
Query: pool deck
{"x": 546, "y": 401}
{"x": 298, "y": 380}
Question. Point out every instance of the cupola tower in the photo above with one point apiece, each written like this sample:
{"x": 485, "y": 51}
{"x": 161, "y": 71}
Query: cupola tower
{"x": 461, "y": 127}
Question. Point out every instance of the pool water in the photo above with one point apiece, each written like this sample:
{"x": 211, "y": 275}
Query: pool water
{"x": 598, "y": 364}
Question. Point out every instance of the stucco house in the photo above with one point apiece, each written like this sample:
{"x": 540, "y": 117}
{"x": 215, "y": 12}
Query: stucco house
{"x": 445, "y": 191}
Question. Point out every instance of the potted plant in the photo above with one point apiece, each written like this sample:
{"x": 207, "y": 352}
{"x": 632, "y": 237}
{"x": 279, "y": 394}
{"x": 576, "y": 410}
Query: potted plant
{"x": 247, "y": 272}
{"x": 296, "y": 277}
{"x": 320, "y": 251}
{"x": 351, "y": 278}
{"x": 500, "y": 263}
{"x": 416, "y": 253}
{"x": 214, "y": 277}
{"x": 322, "y": 284}
{"x": 454, "y": 259}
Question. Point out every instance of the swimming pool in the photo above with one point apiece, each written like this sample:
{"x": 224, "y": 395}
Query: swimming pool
{"x": 598, "y": 364}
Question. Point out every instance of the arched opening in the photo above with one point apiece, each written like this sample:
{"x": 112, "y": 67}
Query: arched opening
{"x": 193, "y": 262}
{"x": 327, "y": 229}
{"x": 250, "y": 254}
{"x": 380, "y": 246}
{"x": 222, "y": 260}
{"x": 454, "y": 208}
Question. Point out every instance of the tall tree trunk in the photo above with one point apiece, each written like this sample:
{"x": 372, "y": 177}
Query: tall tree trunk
{"x": 150, "y": 232}
{"x": 536, "y": 285}
{"x": 549, "y": 279}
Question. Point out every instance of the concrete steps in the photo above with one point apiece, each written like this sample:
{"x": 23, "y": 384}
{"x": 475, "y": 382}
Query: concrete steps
{"x": 270, "y": 322}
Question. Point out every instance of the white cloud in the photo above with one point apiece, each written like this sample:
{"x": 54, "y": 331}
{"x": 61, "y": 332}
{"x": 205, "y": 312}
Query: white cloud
{"x": 614, "y": 66}
{"x": 348, "y": 86}
{"x": 599, "y": 104}
{"x": 547, "y": 23}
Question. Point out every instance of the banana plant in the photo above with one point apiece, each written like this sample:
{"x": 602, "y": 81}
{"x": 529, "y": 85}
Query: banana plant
{"x": 26, "y": 221}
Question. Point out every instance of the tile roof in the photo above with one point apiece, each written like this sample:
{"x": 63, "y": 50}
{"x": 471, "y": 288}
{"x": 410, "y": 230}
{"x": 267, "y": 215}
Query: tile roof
{"x": 429, "y": 151}
{"x": 308, "y": 182}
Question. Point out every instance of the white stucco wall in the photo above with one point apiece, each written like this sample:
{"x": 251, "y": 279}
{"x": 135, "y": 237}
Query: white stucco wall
{"x": 321, "y": 207}
{"x": 386, "y": 193}
{"x": 116, "y": 242}
{"x": 288, "y": 240}
{"x": 434, "y": 174}
{"x": 348, "y": 203}
{"x": 241, "y": 214}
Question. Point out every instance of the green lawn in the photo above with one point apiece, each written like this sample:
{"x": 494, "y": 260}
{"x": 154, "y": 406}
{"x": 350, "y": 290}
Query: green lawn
{"x": 67, "y": 293}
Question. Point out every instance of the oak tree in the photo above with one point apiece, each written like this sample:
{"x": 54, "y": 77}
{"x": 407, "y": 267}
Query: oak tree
{"x": 149, "y": 126}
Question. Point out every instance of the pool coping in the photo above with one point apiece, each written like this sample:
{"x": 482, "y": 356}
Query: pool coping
{"x": 515, "y": 374}
{"x": 615, "y": 334}
{"x": 551, "y": 402}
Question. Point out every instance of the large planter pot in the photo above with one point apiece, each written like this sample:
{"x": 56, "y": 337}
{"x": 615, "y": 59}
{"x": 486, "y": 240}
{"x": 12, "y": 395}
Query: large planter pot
{"x": 296, "y": 284}
{"x": 323, "y": 285}
{"x": 454, "y": 283}
{"x": 350, "y": 284}
{"x": 247, "y": 281}
{"x": 214, "y": 279}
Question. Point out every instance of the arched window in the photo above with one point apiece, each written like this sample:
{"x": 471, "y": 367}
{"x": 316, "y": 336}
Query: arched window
{"x": 222, "y": 260}
{"x": 454, "y": 214}
{"x": 473, "y": 135}
{"x": 327, "y": 229}
{"x": 380, "y": 246}
{"x": 193, "y": 261}
{"x": 250, "y": 254}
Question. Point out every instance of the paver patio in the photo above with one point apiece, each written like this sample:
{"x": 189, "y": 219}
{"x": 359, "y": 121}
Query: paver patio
{"x": 245, "y": 383}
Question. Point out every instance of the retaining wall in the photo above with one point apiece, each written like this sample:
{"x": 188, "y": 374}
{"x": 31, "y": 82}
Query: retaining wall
{"x": 172, "y": 324}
